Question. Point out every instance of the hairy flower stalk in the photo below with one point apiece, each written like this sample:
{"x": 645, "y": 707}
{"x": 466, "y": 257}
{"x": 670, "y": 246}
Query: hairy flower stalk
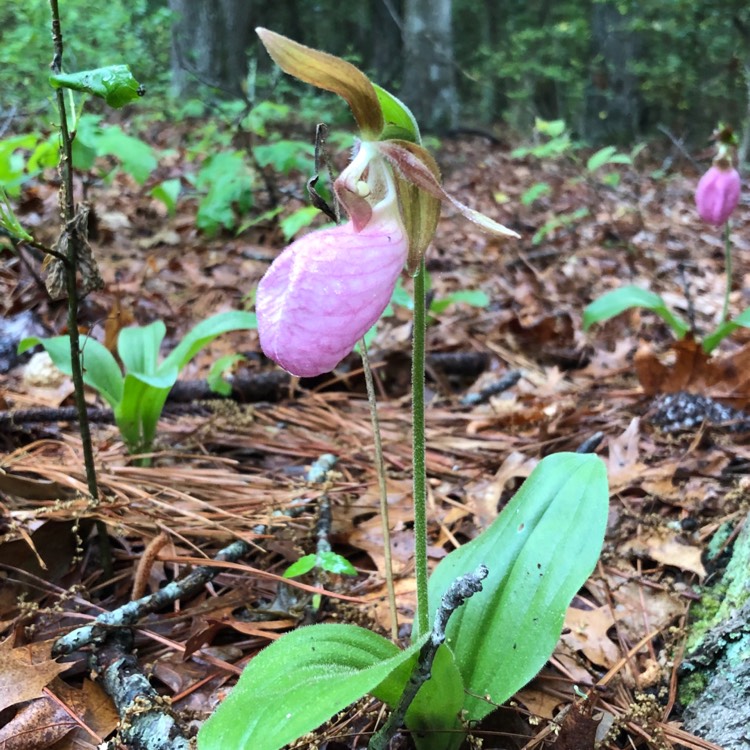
{"x": 327, "y": 289}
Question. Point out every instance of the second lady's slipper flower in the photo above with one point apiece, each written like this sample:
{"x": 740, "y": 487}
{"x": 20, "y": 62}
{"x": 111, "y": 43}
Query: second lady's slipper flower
{"x": 718, "y": 193}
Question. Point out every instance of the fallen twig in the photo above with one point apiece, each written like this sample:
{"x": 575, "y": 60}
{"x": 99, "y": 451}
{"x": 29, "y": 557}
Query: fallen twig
{"x": 498, "y": 386}
{"x": 131, "y": 612}
{"x": 146, "y": 720}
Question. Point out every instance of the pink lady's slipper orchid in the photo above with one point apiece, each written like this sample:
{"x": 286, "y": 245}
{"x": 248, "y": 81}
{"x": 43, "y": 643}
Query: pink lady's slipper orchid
{"x": 718, "y": 193}
{"x": 326, "y": 290}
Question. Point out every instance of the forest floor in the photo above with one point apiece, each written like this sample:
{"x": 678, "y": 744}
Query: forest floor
{"x": 221, "y": 469}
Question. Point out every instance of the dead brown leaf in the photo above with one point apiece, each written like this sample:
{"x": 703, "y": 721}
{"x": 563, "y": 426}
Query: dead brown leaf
{"x": 37, "y": 726}
{"x": 686, "y": 367}
{"x": 665, "y": 546}
{"x": 23, "y": 673}
{"x": 588, "y": 633}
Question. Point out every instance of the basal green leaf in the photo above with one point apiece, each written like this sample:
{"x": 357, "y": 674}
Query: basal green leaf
{"x": 139, "y": 346}
{"x": 300, "y": 681}
{"x": 205, "y": 332}
{"x": 727, "y": 328}
{"x": 539, "y": 552}
{"x": 143, "y": 399}
{"x": 100, "y": 369}
{"x": 626, "y": 297}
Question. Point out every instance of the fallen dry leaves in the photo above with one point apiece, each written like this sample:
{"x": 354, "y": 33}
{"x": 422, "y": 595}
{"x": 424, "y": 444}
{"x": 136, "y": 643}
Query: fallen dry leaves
{"x": 222, "y": 473}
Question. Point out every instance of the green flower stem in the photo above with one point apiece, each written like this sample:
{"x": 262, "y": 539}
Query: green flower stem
{"x": 728, "y": 267}
{"x": 380, "y": 469}
{"x": 71, "y": 266}
{"x": 421, "y": 621}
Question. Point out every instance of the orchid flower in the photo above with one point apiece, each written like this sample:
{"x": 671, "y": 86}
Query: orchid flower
{"x": 718, "y": 193}
{"x": 324, "y": 292}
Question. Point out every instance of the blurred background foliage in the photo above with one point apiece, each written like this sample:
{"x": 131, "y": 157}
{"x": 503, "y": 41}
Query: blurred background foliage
{"x": 613, "y": 70}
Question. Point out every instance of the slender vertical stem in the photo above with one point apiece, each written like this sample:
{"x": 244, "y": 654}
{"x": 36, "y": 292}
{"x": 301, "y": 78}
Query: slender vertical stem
{"x": 728, "y": 268}
{"x": 421, "y": 621}
{"x": 68, "y": 210}
{"x": 380, "y": 469}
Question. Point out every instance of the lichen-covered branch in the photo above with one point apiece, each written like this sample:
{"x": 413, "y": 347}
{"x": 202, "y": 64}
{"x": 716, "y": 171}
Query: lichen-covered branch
{"x": 146, "y": 720}
{"x": 132, "y": 612}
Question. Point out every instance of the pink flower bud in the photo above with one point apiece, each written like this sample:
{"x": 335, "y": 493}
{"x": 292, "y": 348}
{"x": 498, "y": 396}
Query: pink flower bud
{"x": 717, "y": 194}
{"x": 325, "y": 291}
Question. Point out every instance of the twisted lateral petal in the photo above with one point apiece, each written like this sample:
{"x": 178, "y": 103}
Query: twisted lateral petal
{"x": 717, "y": 194}
{"x": 324, "y": 292}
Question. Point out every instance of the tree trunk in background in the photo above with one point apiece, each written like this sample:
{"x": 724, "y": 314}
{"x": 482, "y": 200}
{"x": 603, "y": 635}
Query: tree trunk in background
{"x": 387, "y": 42}
{"x": 613, "y": 107}
{"x": 209, "y": 44}
{"x": 429, "y": 82}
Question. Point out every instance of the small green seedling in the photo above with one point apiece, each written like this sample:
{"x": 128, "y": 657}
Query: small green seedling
{"x": 138, "y": 397}
{"x": 328, "y": 560}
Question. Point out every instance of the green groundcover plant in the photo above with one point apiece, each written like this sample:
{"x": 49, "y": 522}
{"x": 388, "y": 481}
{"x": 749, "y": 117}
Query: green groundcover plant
{"x": 319, "y": 297}
{"x": 138, "y": 397}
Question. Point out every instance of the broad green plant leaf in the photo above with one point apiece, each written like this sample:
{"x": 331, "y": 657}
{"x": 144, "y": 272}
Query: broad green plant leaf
{"x": 399, "y": 121}
{"x": 115, "y": 84}
{"x": 536, "y": 191}
{"x": 473, "y": 297}
{"x": 329, "y": 560}
{"x": 147, "y": 384}
{"x": 137, "y": 414}
{"x": 606, "y": 155}
{"x": 539, "y": 551}
{"x": 330, "y": 73}
{"x": 204, "y": 333}
{"x": 9, "y": 221}
{"x": 301, "y": 218}
{"x": 100, "y": 369}
{"x": 136, "y": 157}
{"x": 301, "y": 680}
{"x": 139, "y": 347}
{"x": 168, "y": 192}
{"x": 727, "y": 328}
{"x": 626, "y": 297}
{"x": 145, "y": 390}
